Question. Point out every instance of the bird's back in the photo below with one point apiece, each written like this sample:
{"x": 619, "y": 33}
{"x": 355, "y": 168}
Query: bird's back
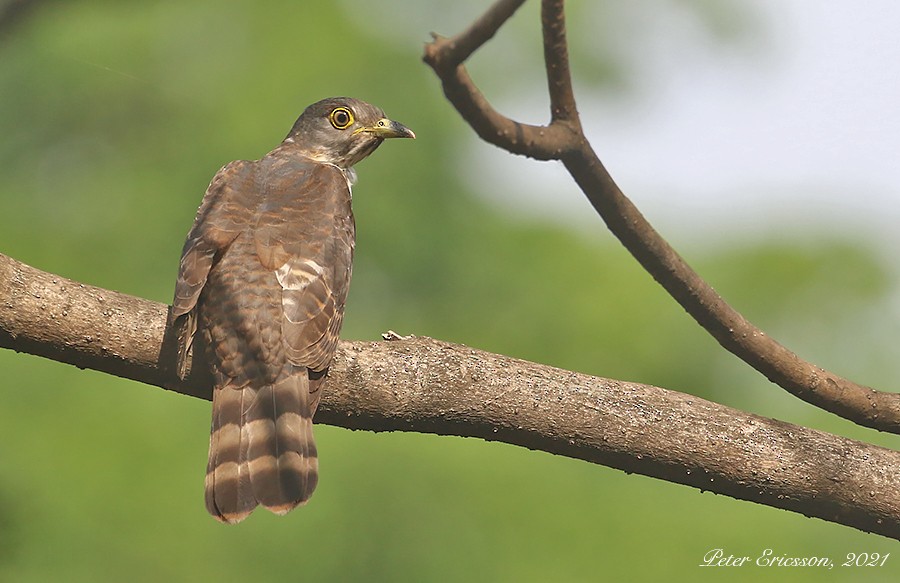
{"x": 271, "y": 311}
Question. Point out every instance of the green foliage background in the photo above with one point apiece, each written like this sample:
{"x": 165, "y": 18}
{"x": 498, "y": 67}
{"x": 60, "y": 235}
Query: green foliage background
{"x": 113, "y": 118}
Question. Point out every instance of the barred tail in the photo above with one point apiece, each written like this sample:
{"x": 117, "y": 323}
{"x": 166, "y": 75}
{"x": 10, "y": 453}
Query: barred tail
{"x": 261, "y": 449}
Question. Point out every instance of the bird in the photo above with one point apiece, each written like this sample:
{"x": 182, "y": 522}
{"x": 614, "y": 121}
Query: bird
{"x": 263, "y": 281}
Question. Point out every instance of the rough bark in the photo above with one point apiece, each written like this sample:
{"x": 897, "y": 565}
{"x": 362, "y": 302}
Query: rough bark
{"x": 430, "y": 386}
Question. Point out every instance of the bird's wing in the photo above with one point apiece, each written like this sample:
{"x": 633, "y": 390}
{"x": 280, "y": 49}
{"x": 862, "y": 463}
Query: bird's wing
{"x": 223, "y": 213}
{"x": 306, "y": 235}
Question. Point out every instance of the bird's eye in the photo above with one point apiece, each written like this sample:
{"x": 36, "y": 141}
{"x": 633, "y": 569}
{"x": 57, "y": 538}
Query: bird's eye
{"x": 341, "y": 118}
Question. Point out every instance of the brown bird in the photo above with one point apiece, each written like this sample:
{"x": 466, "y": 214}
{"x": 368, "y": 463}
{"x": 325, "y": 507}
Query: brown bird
{"x": 264, "y": 277}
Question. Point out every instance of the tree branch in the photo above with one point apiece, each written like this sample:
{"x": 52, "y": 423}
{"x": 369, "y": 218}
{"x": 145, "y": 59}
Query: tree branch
{"x": 446, "y": 55}
{"x": 481, "y": 31}
{"x": 433, "y": 387}
{"x": 556, "y": 60}
{"x": 564, "y": 140}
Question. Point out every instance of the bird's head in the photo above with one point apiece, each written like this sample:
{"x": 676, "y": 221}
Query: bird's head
{"x": 342, "y": 131}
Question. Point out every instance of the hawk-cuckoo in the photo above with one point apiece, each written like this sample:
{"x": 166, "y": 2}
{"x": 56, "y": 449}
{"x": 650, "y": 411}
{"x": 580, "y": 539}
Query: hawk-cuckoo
{"x": 264, "y": 276}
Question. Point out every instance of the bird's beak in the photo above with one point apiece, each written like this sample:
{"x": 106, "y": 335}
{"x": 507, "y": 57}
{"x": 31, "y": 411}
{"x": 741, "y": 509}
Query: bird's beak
{"x": 386, "y": 128}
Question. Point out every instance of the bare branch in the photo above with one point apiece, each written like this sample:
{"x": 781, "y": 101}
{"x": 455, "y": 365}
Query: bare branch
{"x": 89, "y": 327}
{"x": 860, "y": 404}
{"x": 445, "y": 56}
{"x": 429, "y": 386}
{"x": 556, "y": 60}
{"x": 480, "y": 31}
{"x": 564, "y": 140}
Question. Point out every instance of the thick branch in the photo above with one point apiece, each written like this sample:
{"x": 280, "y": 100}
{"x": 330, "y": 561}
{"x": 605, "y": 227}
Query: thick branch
{"x": 434, "y": 387}
{"x": 563, "y": 140}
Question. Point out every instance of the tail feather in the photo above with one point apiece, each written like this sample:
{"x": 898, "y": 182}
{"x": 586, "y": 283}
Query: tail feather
{"x": 283, "y": 462}
{"x": 261, "y": 451}
{"x": 229, "y": 493}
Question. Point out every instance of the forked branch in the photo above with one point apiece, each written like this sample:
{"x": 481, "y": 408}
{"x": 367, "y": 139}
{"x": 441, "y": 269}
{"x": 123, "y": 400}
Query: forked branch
{"x": 563, "y": 139}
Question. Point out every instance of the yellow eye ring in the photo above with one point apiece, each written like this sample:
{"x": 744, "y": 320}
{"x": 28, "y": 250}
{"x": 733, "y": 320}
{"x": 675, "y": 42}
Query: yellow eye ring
{"x": 341, "y": 118}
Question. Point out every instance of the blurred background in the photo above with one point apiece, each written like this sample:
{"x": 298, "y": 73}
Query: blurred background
{"x": 760, "y": 137}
